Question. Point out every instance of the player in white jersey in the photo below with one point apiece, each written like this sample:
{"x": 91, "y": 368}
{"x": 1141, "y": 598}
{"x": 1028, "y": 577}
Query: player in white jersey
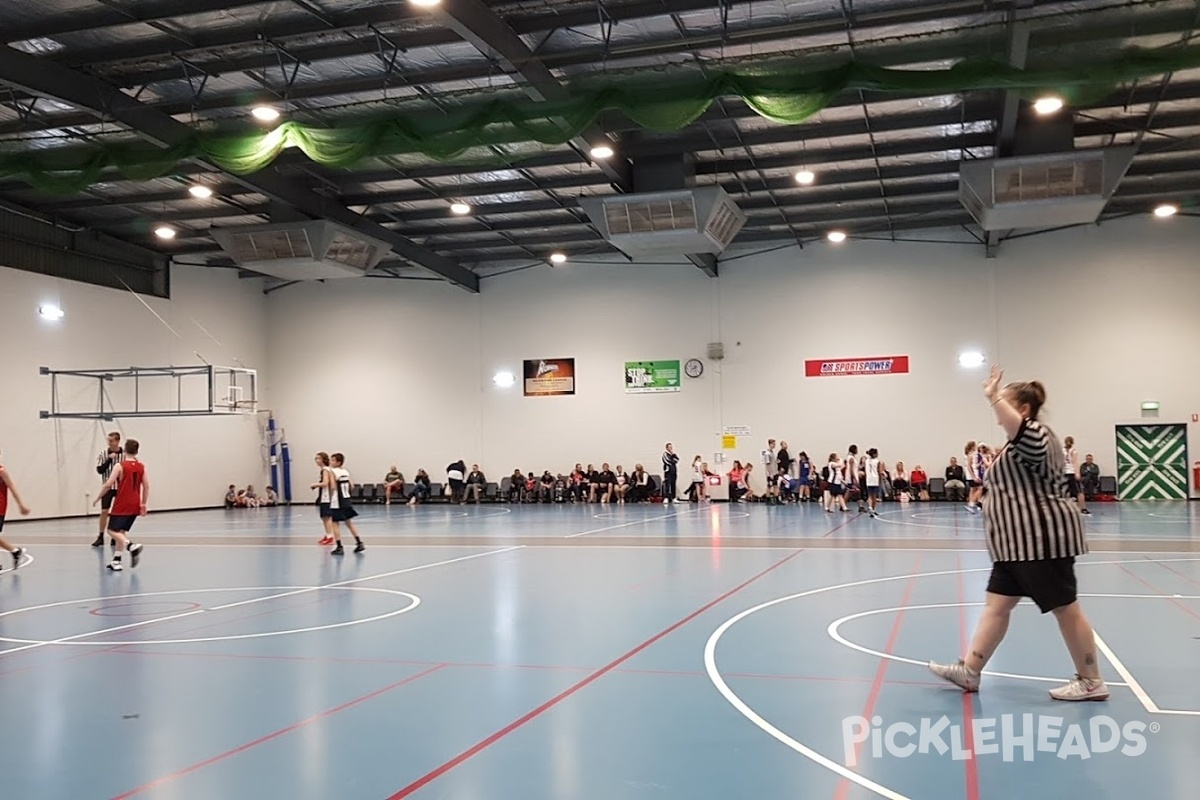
{"x": 345, "y": 509}
{"x": 872, "y": 470}
{"x": 327, "y": 496}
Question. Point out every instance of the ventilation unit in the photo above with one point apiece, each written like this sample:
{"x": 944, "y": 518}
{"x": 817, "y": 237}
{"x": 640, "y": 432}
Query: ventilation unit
{"x": 716, "y": 351}
{"x": 681, "y": 222}
{"x": 1041, "y": 191}
{"x": 301, "y": 251}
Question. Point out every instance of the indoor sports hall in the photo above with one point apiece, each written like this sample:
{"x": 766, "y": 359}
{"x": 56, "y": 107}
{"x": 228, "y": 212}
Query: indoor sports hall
{"x": 599, "y": 399}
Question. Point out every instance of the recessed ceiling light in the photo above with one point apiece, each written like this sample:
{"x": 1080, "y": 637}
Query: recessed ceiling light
{"x": 1048, "y": 104}
{"x": 265, "y": 113}
{"x": 199, "y": 191}
{"x": 805, "y": 177}
{"x": 460, "y": 208}
{"x": 1166, "y": 210}
{"x": 602, "y": 151}
{"x": 51, "y": 312}
{"x": 836, "y": 236}
{"x": 971, "y": 359}
{"x": 425, "y": 3}
{"x": 164, "y": 232}
{"x": 557, "y": 258}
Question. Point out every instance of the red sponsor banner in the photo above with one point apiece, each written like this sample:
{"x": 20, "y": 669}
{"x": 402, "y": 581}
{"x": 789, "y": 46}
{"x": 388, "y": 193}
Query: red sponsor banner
{"x": 875, "y": 365}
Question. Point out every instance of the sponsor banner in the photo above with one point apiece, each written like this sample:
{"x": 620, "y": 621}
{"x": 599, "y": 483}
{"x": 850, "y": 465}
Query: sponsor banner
{"x": 549, "y": 377}
{"x": 651, "y": 377}
{"x": 874, "y": 365}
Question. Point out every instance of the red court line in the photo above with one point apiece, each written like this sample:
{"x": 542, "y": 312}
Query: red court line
{"x": 199, "y": 765}
{"x": 970, "y": 766}
{"x": 571, "y": 690}
{"x": 1158, "y": 590}
{"x": 843, "y": 786}
{"x": 1169, "y": 568}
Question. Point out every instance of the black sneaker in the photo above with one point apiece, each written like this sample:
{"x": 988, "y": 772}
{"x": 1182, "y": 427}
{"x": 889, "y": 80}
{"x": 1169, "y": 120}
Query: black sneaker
{"x": 99, "y": 541}
{"x": 16, "y": 554}
{"x": 135, "y": 554}
{"x": 337, "y": 551}
{"x": 358, "y": 548}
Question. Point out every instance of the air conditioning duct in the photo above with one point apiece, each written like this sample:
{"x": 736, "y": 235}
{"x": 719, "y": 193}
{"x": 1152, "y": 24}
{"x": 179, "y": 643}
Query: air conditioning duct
{"x": 302, "y": 251}
{"x": 1041, "y": 191}
{"x": 670, "y": 223}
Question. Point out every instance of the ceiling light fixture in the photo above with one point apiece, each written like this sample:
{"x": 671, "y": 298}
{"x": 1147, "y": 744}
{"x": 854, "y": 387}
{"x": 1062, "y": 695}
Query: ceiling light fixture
{"x": 504, "y": 379}
{"x": 164, "y": 232}
{"x": 460, "y": 208}
{"x": 265, "y": 113}
{"x": 425, "y": 3}
{"x": 1048, "y": 104}
{"x": 805, "y": 177}
{"x": 836, "y": 236}
{"x": 557, "y": 258}
{"x": 201, "y": 192}
{"x": 51, "y": 312}
{"x": 602, "y": 151}
{"x": 1166, "y": 210}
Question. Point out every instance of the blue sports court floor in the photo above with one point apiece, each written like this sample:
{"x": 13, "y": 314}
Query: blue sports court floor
{"x": 633, "y": 652}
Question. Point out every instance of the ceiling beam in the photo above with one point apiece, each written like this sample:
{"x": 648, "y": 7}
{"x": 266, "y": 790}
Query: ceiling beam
{"x": 111, "y": 17}
{"x": 492, "y": 37}
{"x": 44, "y": 78}
{"x": 1006, "y": 130}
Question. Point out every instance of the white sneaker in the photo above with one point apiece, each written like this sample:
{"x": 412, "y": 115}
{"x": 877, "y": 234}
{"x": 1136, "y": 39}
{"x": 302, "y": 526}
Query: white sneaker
{"x": 115, "y": 566}
{"x": 958, "y": 674}
{"x": 1080, "y": 689}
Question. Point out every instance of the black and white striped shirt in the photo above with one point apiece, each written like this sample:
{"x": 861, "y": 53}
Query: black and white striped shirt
{"x": 105, "y": 463}
{"x": 1027, "y": 512}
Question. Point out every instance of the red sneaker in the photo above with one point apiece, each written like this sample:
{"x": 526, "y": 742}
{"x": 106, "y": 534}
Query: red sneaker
{"x": 326, "y": 540}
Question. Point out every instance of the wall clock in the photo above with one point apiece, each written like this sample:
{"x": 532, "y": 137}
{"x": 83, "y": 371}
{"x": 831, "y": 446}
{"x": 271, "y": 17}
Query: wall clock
{"x": 694, "y": 368}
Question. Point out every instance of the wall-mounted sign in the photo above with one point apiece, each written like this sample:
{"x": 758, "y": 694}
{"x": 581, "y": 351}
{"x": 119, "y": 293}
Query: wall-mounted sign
{"x": 729, "y": 443}
{"x": 549, "y": 377}
{"x": 736, "y": 430}
{"x": 651, "y": 377}
{"x": 874, "y": 365}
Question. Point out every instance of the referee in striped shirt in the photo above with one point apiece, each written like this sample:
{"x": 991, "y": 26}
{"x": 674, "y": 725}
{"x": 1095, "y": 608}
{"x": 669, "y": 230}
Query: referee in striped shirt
{"x": 1034, "y": 532}
{"x": 108, "y": 458}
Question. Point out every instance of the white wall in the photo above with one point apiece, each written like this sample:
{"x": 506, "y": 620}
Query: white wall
{"x": 190, "y": 461}
{"x": 401, "y": 371}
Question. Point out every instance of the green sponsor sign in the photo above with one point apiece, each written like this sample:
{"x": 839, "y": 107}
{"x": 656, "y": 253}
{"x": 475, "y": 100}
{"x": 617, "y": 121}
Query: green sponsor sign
{"x": 650, "y": 377}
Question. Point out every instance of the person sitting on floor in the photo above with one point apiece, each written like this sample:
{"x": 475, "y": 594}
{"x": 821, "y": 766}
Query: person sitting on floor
{"x": 270, "y": 497}
{"x": 231, "y": 496}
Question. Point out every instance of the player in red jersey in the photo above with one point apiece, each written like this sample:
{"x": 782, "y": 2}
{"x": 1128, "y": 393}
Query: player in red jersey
{"x": 133, "y": 493}
{"x": 6, "y": 486}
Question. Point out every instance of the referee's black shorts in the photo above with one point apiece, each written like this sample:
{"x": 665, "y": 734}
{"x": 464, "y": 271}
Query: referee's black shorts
{"x": 1050, "y": 583}
{"x": 107, "y": 500}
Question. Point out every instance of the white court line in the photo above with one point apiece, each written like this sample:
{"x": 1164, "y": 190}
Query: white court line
{"x": 27, "y": 560}
{"x": 635, "y": 522}
{"x": 368, "y": 578}
{"x": 835, "y": 633}
{"x": 718, "y": 681}
{"x": 102, "y": 631}
{"x": 1124, "y": 672}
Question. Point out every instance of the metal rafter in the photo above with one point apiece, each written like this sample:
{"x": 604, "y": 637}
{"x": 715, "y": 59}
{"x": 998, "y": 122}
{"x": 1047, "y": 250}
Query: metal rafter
{"x": 1006, "y": 129}
{"x": 37, "y": 76}
{"x": 492, "y": 37}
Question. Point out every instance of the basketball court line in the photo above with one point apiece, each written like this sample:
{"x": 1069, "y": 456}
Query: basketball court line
{"x": 102, "y": 631}
{"x": 635, "y": 522}
{"x": 718, "y": 681}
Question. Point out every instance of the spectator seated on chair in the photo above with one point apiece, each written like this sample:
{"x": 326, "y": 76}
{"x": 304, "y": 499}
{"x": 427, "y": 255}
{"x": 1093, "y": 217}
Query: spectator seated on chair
{"x": 919, "y": 482}
{"x": 421, "y": 488}
{"x": 606, "y": 479}
{"x": 545, "y": 487}
{"x": 1089, "y": 477}
{"x": 516, "y": 486}
{"x": 392, "y": 482}
{"x": 641, "y": 486}
{"x": 231, "y": 496}
{"x": 475, "y": 484}
{"x": 531, "y": 489}
{"x": 621, "y": 484}
{"x": 578, "y": 487}
{"x": 956, "y": 481}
